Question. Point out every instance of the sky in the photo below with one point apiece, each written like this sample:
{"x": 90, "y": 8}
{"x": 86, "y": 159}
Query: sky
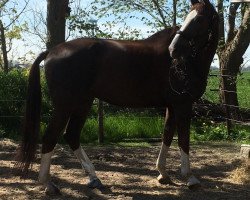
{"x": 32, "y": 42}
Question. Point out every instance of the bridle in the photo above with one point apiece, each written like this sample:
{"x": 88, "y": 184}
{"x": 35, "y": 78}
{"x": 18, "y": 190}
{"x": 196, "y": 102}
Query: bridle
{"x": 192, "y": 43}
{"x": 191, "y": 40}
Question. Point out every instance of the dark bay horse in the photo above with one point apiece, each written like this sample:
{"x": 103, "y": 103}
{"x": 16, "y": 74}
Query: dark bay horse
{"x": 141, "y": 73}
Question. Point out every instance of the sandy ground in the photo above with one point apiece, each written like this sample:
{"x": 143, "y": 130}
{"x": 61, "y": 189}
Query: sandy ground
{"x": 129, "y": 173}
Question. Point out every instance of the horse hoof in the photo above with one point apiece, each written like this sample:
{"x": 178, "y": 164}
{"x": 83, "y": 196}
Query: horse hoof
{"x": 52, "y": 189}
{"x": 193, "y": 183}
{"x": 95, "y": 183}
{"x": 194, "y": 187}
{"x": 164, "y": 180}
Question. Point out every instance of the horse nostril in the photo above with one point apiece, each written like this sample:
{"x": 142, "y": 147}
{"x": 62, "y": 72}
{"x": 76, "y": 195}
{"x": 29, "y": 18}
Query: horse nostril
{"x": 171, "y": 49}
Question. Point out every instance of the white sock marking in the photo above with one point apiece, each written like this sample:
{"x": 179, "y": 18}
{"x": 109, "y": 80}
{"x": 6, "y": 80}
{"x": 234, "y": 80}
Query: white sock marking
{"x": 45, "y": 167}
{"x": 161, "y": 161}
{"x": 185, "y": 164}
{"x": 86, "y": 163}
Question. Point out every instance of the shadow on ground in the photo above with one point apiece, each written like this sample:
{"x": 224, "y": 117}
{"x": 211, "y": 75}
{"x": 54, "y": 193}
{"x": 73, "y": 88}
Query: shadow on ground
{"x": 128, "y": 173}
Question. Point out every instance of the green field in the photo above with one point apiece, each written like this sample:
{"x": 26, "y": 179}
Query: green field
{"x": 243, "y": 89}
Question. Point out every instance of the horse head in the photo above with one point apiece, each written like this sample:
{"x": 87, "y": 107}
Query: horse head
{"x": 195, "y": 32}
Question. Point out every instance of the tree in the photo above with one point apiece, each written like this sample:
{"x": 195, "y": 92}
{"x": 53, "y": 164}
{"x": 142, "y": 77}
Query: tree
{"x": 231, "y": 50}
{"x": 57, "y": 11}
{"x": 118, "y": 16}
{"x": 8, "y": 29}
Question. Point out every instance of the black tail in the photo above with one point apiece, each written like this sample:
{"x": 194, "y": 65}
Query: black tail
{"x": 26, "y": 152}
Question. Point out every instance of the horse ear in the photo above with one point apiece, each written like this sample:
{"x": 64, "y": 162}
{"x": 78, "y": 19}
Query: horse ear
{"x": 194, "y": 2}
{"x": 204, "y": 1}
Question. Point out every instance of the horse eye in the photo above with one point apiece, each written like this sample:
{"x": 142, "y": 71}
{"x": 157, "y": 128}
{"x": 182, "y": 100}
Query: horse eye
{"x": 199, "y": 19}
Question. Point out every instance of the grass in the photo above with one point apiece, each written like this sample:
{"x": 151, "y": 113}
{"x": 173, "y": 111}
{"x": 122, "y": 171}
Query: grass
{"x": 123, "y": 126}
{"x": 205, "y": 130}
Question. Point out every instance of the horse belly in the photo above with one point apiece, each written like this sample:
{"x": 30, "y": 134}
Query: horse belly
{"x": 130, "y": 93}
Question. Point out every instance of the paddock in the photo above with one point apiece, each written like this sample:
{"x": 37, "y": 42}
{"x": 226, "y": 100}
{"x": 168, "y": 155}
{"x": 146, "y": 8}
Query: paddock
{"x": 129, "y": 172}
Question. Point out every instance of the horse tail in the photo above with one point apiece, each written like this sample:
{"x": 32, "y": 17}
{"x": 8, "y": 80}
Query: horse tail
{"x": 26, "y": 153}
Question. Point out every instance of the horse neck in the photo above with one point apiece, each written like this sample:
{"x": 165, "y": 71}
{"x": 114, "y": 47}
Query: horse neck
{"x": 162, "y": 39}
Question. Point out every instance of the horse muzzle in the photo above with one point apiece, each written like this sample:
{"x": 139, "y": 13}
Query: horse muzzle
{"x": 173, "y": 52}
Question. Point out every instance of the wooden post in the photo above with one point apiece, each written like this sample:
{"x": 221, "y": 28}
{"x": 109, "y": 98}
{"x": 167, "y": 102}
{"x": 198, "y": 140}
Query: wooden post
{"x": 224, "y": 92}
{"x": 100, "y": 122}
{"x": 245, "y": 153}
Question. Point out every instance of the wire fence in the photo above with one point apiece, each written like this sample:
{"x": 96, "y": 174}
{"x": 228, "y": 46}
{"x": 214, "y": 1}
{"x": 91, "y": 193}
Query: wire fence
{"x": 210, "y": 107}
{"x": 227, "y": 110}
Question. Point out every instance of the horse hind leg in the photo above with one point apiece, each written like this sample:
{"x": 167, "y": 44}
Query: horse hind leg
{"x": 167, "y": 138}
{"x": 72, "y": 137}
{"x": 50, "y": 138}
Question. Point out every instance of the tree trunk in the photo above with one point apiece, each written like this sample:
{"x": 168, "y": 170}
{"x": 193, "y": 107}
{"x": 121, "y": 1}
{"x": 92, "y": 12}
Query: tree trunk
{"x": 221, "y": 24}
{"x": 174, "y": 12}
{"x": 231, "y": 58}
{"x": 4, "y": 48}
{"x": 57, "y": 10}
{"x": 229, "y": 92}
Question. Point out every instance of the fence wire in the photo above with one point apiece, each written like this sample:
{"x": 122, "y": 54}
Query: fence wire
{"x": 211, "y": 108}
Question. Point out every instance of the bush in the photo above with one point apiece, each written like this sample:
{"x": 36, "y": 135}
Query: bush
{"x": 206, "y": 130}
{"x": 12, "y": 92}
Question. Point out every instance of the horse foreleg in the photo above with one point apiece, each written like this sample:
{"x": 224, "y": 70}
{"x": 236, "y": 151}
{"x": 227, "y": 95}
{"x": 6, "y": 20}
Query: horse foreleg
{"x": 183, "y": 120}
{"x": 167, "y": 138}
{"x": 192, "y": 181}
{"x": 50, "y": 138}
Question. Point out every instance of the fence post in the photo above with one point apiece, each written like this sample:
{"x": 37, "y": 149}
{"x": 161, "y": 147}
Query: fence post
{"x": 100, "y": 122}
{"x": 228, "y": 121}
{"x": 224, "y": 78}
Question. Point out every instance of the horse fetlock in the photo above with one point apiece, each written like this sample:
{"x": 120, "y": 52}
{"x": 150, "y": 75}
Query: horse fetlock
{"x": 95, "y": 183}
{"x": 193, "y": 182}
{"x": 52, "y": 189}
{"x": 44, "y": 179}
{"x": 164, "y": 179}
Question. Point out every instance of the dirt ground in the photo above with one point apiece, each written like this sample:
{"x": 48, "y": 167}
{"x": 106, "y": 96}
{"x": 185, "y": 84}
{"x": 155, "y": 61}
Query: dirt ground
{"x": 129, "y": 173}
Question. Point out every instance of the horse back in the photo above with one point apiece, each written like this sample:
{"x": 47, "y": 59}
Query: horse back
{"x": 120, "y": 72}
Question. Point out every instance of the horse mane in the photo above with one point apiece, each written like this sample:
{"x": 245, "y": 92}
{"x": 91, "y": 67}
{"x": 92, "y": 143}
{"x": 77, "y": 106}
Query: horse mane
{"x": 163, "y": 33}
